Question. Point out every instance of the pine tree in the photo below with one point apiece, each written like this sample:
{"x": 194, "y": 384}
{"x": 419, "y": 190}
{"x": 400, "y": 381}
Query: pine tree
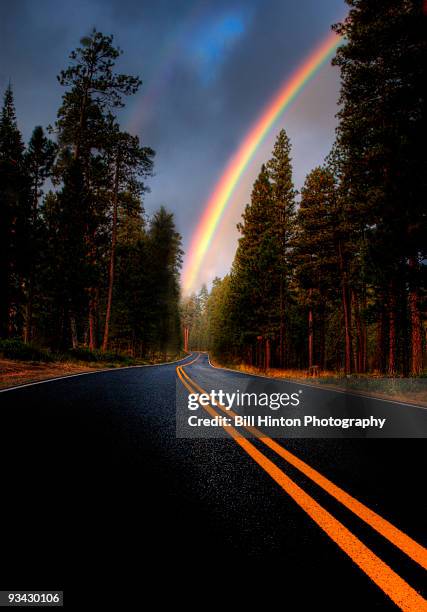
{"x": 283, "y": 195}
{"x": 69, "y": 272}
{"x": 315, "y": 255}
{"x": 189, "y": 316}
{"x": 254, "y": 272}
{"x": 132, "y": 317}
{"x": 194, "y": 317}
{"x": 93, "y": 93}
{"x": 380, "y": 136}
{"x": 129, "y": 165}
{"x": 202, "y": 298}
{"x": 94, "y": 90}
{"x": 220, "y": 313}
{"x": 165, "y": 261}
{"x": 11, "y": 145}
{"x": 39, "y": 159}
{"x": 14, "y": 208}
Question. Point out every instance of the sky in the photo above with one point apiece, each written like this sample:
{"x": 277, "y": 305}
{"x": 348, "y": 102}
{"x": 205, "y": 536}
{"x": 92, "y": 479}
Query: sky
{"x": 208, "y": 68}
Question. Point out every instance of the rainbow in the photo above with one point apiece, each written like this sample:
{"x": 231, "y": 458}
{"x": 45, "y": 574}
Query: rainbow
{"x": 220, "y": 197}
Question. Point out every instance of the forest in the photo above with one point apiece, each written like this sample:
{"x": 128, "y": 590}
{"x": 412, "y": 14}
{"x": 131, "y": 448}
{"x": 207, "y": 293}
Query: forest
{"x": 82, "y": 267}
{"x": 334, "y": 277}
{"x": 330, "y": 277}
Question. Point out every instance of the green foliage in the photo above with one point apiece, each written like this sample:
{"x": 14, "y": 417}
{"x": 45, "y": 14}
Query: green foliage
{"x": 12, "y": 348}
{"x": 11, "y": 145}
{"x": 39, "y": 158}
{"x": 341, "y": 277}
{"x": 165, "y": 260}
{"x": 93, "y": 91}
{"x": 195, "y": 317}
{"x": 253, "y": 276}
{"x": 14, "y": 213}
{"x": 383, "y": 176}
{"x": 85, "y": 355}
{"x": 257, "y": 300}
{"x": 342, "y": 281}
{"x": 86, "y": 248}
{"x": 146, "y": 295}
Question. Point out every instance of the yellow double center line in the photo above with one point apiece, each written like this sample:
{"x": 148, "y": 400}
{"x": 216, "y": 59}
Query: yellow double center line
{"x": 399, "y": 591}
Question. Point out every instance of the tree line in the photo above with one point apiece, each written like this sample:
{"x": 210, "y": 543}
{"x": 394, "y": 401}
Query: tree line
{"x": 335, "y": 277}
{"x": 81, "y": 265}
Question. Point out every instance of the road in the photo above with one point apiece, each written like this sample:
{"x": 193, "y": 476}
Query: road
{"x": 103, "y": 500}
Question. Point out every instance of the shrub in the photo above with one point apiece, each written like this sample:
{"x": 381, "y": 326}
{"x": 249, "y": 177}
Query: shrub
{"x": 84, "y": 354}
{"x": 16, "y": 349}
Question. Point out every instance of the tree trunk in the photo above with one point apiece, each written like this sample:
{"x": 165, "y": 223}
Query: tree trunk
{"x": 347, "y": 326}
{"x": 29, "y": 313}
{"x": 282, "y": 326}
{"x": 77, "y": 156}
{"x": 92, "y": 320}
{"x": 322, "y": 341}
{"x": 29, "y": 306}
{"x": 347, "y": 312}
{"x": 392, "y": 331}
{"x": 267, "y": 354}
{"x": 364, "y": 334}
{"x": 381, "y": 341}
{"x": 73, "y": 328}
{"x": 112, "y": 256}
{"x": 310, "y": 338}
{"x": 359, "y": 350}
{"x": 414, "y": 311}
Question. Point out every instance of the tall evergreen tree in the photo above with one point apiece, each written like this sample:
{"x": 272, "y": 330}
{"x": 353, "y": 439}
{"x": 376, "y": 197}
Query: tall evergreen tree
{"x": 93, "y": 93}
{"x": 283, "y": 194}
{"x": 39, "y": 159}
{"x": 14, "y": 209}
{"x": 194, "y": 317}
{"x": 190, "y": 315}
{"x": 220, "y": 313}
{"x": 382, "y": 121}
{"x": 132, "y": 316}
{"x": 315, "y": 256}
{"x": 69, "y": 270}
{"x": 165, "y": 261}
{"x": 254, "y": 272}
{"x": 129, "y": 165}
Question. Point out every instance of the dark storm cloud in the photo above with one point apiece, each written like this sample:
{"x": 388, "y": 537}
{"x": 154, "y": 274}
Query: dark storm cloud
{"x": 208, "y": 69}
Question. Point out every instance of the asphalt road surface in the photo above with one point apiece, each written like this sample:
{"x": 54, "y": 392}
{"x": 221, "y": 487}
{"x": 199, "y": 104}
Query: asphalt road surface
{"x": 102, "y": 500}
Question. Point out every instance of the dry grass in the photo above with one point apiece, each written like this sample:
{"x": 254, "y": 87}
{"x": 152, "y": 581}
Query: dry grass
{"x": 14, "y": 373}
{"x": 412, "y": 390}
{"x": 290, "y": 373}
